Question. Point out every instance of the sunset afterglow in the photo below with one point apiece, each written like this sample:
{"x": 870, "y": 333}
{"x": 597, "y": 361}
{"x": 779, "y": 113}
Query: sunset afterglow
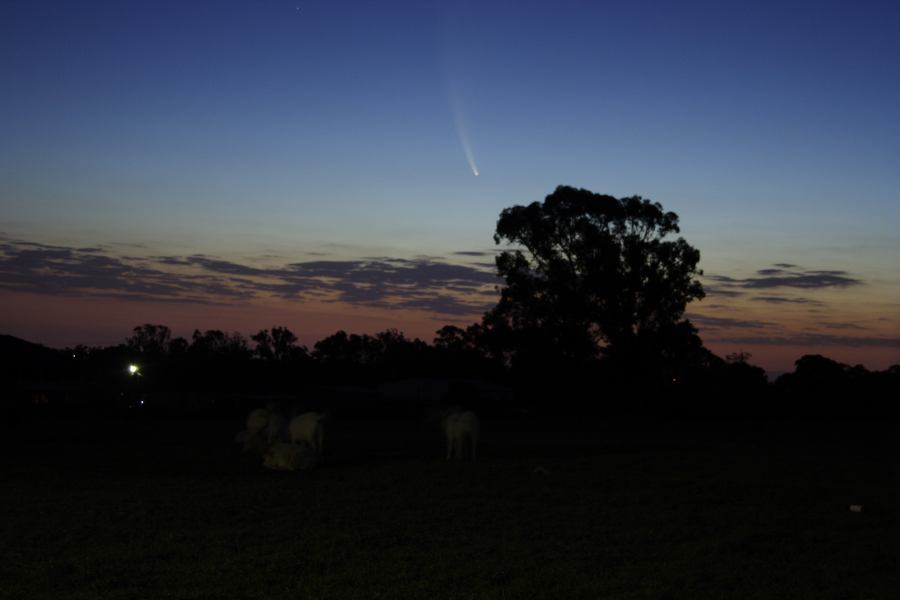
{"x": 237, "y": 165}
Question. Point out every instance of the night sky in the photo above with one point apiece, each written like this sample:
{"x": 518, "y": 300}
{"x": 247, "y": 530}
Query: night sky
{"x": 237, "y": 165}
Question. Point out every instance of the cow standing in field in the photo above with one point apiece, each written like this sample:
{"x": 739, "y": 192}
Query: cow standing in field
{"x": 255, "y": 439}
{"x": 308, "y": 429}
{"x": 461, "y": 429}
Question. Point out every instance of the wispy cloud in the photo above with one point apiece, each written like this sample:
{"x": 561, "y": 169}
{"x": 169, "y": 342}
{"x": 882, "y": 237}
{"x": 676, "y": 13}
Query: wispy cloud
{"x": 811, "y": 280}
{"x": 786, "y": 275}
{"x": 423, "y": 283}
{"x": 717, "y": 290}
{"x": 815, "y": 339}
{"x": 710, "y": 323}
{"x": 58, "y": 270}
{"x": 783, "y": 285}
{"x": 843, "y": 326}
{"x": 783, "y": 300}
{"x": 721, "y": 278}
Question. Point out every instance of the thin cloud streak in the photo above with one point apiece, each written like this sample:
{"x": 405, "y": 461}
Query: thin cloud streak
{"x": 816, "y": 339}
{"x": 711, "y": 323}
{"x": 782, "y": 300}
{"x": 779, "y": 277}
{"x": 714, "y": 290}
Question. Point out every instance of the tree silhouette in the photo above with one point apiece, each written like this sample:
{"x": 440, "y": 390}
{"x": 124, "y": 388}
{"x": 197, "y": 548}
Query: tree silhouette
{"x": 216, "y": 343}
{"x": 264, "y": 342}
{"x": 279, "y": 345}
{"x": 149, "y": 340}
{"x": 586, "y": 273}
{"x": 386, "y": 356}
{"x": 466, "y": 353}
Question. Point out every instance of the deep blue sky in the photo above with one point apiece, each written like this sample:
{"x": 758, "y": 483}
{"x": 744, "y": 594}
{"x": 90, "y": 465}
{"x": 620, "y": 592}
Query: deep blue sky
{"x": 246, "y": 130}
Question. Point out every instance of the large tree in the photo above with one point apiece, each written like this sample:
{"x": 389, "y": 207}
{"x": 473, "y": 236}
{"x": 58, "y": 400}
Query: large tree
{"x": 586, "y": 273}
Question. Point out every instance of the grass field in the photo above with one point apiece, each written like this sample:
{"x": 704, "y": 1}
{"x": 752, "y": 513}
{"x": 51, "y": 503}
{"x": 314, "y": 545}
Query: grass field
{"x": 158, "y": 509}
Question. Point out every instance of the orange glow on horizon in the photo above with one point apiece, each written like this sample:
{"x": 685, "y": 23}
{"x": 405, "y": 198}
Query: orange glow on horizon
{"x": 59, "y": 322}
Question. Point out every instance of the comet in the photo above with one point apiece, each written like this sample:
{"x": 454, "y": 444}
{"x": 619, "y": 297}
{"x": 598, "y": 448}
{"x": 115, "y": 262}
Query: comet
{"x": 462, "y": 131}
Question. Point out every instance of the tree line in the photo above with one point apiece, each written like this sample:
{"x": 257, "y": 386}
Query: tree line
{"x": 590, "y": 318}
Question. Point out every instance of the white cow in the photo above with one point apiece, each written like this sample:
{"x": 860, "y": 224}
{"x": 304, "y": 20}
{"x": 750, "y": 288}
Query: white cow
{"x": 257, "y": 421}
{"x": 308, "y": 429}
{"x": 461, "y": 429}
{"x": 255, "y": 438}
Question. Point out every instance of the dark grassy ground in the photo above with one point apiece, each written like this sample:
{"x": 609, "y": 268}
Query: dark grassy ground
{"x": 158, "y": 509}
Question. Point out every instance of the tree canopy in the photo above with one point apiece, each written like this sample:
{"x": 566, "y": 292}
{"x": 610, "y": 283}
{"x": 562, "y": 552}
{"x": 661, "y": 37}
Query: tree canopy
{"x": 587, "y": 273}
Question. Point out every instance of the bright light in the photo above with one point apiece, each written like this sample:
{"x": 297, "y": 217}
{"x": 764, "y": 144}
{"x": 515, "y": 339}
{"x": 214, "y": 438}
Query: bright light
{"x": 133, "y": 369}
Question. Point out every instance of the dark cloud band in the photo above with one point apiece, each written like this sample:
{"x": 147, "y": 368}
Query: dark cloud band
{"x": 423, "y": 283}
{"x": 785, "y": 275}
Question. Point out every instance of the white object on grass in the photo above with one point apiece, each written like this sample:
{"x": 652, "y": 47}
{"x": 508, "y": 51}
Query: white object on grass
{"x": 257, "y": 420}
{"x": 308, "y": 429}
{"x": 461, "y": 429}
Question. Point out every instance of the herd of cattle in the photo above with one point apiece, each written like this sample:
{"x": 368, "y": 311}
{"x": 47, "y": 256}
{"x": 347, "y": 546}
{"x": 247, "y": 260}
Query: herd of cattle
{"x": 298, "y": 443}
